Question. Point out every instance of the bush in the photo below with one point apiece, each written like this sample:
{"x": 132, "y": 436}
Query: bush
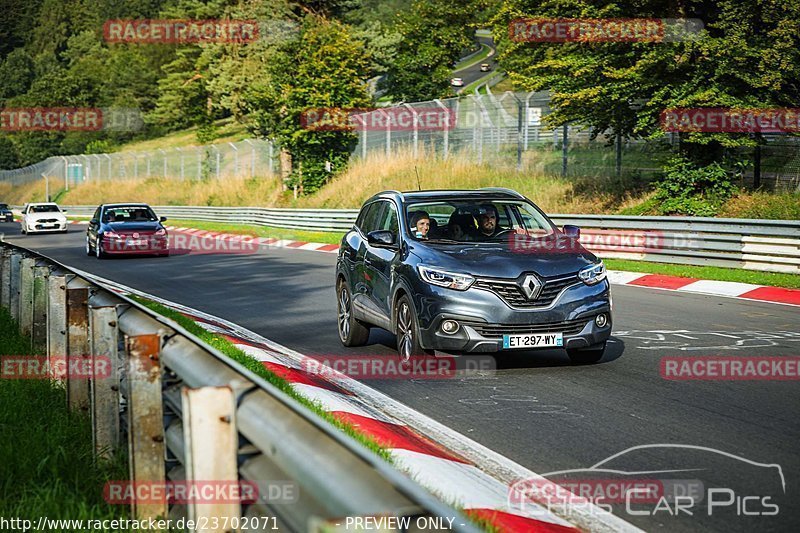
{"x": 687, "y": 189}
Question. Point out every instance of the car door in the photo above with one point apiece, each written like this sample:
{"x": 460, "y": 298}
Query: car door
{"x": 94, "y": 225}
{"x": 378, "y": 261}
{"x": 362, "y": 279}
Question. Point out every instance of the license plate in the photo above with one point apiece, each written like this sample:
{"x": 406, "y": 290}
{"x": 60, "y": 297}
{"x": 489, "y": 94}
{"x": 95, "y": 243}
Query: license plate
{"x": 534, "y": 340}
{"x": 134, "y": 242}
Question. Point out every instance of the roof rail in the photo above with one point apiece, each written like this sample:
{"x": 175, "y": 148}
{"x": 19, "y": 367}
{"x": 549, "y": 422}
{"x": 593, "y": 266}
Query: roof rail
{"x": 503, "y": 189}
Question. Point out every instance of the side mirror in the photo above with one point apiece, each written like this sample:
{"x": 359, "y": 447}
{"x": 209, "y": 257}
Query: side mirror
{"x": 163, "y": 219}
{"x": 93, "y": 222}
{"x": 573, "y": 232}
{"x": 64, "y": 211}
{"x": 382, "y": 238}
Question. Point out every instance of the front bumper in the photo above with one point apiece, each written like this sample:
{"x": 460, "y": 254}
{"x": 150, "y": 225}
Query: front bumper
{"x": 151, "y": 245}
{"x": 484, "y": 318}
{"x": 36, "y": 227}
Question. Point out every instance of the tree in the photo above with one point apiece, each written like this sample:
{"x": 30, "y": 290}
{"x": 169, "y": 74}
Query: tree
{"x": 328, "y": 67}
{"x": 434, "y": 33}
{"x": 748, "y": 55}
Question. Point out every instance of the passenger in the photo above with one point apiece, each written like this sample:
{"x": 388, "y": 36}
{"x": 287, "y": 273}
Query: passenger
{"x": 420, "y": 224}
{"x": 461, "y": 227}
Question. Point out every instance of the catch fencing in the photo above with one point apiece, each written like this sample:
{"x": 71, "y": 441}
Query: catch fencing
{"x": 250, "y": 158}
{"x": 506, "y": 128}
{"x": 182, "y": 411}
{"x": 769, "y": 245}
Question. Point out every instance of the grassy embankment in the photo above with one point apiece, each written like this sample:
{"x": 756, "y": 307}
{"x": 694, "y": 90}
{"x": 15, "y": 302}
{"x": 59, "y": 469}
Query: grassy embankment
{"x": 46, "y": 462}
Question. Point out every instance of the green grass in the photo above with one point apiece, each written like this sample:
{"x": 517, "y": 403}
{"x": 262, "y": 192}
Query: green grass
{"x": 46, "y": 458}
{"x": 254, "y": 365}
{"x": 325, "y": 237}
{"x": 774, "y": 279}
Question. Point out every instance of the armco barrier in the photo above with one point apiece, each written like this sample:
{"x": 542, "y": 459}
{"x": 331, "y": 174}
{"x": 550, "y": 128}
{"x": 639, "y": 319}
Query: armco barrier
{"x": 167, "y": 395}
{"x": 769, "y": 245}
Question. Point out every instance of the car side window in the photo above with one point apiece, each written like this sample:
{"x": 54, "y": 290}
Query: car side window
{"x": 96, "y": 216}
{"x": 371, "y": 214}
{"x": 389, "y": 219}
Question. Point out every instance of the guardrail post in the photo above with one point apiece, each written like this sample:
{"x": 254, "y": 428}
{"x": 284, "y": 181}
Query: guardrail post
{"x": 13, "y": 285}
{"x": 56, "y": 318}
{"x": 26, "y": 295}
{"x": 5, "y": 277}
{"x": 104, "y": 390}
{"x": 146, "y": 447}
{"x": 77, "y": 343}
{"x": 41, "y": 272}
{"x": 210, "y": 441}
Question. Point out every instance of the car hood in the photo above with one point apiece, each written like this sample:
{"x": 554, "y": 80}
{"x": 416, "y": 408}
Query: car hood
{"x": 40, "y": 216}
{"x": 128, "y": 227}
{"x": 500, "y": 260}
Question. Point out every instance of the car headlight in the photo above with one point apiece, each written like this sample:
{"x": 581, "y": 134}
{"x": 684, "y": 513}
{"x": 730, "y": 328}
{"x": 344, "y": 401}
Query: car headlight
{"x": 443, "y": 278}
{"x": 112, "y": 235}
{"x": 161, "y": 232}
{"x": 593, "y": 274}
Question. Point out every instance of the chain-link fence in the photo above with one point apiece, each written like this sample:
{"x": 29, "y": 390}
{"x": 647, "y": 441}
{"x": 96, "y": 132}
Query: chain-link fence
{"x": 510, "y": 128}
{"x": 504, "y": 128}
{"x": 248, "y": 158}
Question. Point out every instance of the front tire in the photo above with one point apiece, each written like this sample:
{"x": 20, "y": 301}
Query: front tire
{"x": 587, "y": 356}
{"x": 351, "y": 331}
{"x": 89, "y": 250}
{"x": 408, "y": 337}
{"x": 98, "y": 248}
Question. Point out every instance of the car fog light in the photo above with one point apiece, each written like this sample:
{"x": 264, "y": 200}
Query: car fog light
{"x": 601, "y": 320}
{"x": 450, "y": 326}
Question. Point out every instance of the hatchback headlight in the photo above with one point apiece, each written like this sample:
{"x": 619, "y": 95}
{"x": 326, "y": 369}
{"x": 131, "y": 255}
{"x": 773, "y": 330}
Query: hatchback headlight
{"x": 593, "y": 274}
{"x": 443, "y": 278}
{"x": 161, "y": 232}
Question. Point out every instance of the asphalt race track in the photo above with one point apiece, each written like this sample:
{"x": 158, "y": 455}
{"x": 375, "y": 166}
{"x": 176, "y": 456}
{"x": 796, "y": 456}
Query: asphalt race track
{"x": 536, "y": 408}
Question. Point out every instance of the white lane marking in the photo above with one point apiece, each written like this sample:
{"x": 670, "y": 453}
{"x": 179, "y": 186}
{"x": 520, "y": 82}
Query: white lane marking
{"x": 333, "y": 401}
{"x": 619, "y": 277}
{"x": 725, "y": 288}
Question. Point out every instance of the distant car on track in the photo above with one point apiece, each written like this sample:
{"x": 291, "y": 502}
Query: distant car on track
{"x": 471, "y": 271}
{"x": 486, "y": 67}
{"x": 457, "y": 82}
{"x": 124, "y": 229}
{"x": 5, "y": 213}
{"x": 42, "y": 217}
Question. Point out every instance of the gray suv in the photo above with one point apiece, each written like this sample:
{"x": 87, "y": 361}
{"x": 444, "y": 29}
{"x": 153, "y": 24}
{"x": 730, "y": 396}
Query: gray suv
{"x": 470, "y": 271}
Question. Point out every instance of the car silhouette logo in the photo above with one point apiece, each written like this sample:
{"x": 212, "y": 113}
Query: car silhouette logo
{"x": 135, "y": 235}
{"x": 531, "y": 286}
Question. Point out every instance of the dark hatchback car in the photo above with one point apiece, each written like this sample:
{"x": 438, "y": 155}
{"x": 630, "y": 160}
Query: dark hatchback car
{"x": 126, "y": 229}
{"x": 5, "y": 213}
{"x": 470, "y": 271}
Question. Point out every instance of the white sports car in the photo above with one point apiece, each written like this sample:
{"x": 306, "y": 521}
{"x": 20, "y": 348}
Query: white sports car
{"x": 42, "y": 217}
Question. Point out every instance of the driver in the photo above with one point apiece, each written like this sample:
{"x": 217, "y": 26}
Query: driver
{"x": 487, "y": 221}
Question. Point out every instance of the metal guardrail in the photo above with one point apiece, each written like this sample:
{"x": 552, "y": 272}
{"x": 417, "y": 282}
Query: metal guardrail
{"x": 768, "y": 245}
{"x": 169, "y": 395}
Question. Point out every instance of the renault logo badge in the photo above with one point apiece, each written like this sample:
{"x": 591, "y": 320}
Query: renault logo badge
{"x": 531, "y": 286}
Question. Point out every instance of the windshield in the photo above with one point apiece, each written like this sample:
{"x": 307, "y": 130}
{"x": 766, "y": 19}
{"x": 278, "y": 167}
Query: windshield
{"x": 129, "y": 214}
{"x": 44, "y": 209}
{"x": 471, "y": 221}
{"x": 3, "y": 206}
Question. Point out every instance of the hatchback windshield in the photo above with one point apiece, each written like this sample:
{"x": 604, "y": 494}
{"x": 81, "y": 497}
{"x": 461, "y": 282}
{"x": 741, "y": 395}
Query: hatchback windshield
{"x": 470, "y": 221}
{"x": 3, "y": 206}
{"x": 129, "y": 214}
